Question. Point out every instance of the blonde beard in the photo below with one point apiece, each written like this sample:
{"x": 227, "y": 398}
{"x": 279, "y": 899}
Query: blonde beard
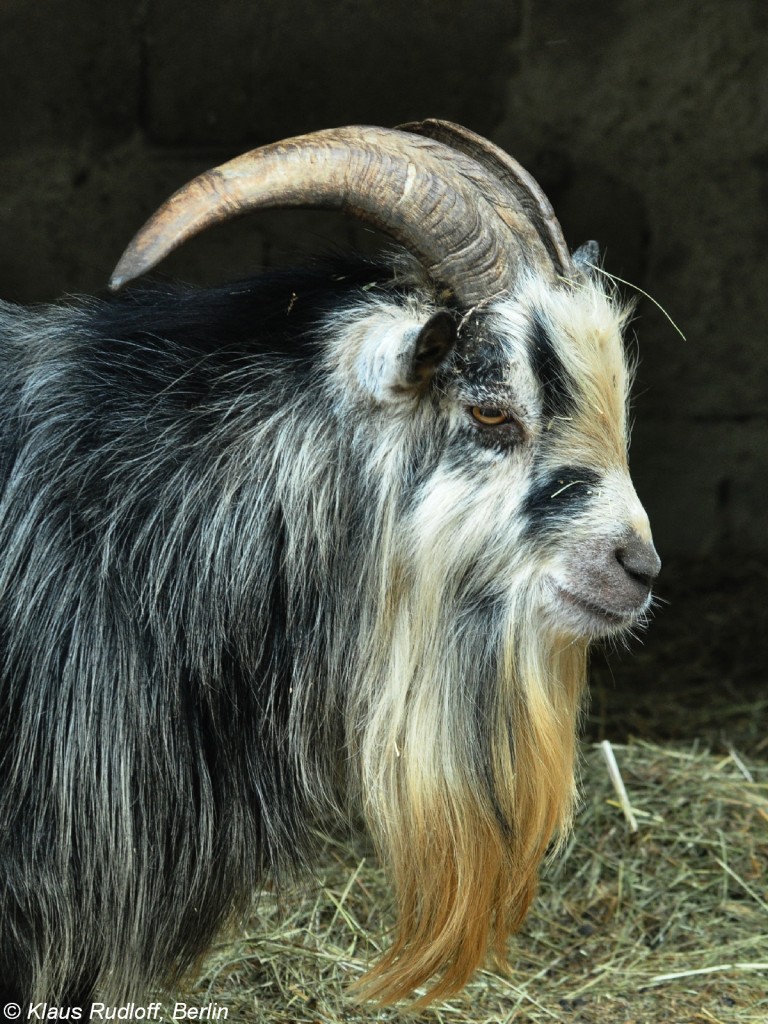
{"x": 463, "y": 800}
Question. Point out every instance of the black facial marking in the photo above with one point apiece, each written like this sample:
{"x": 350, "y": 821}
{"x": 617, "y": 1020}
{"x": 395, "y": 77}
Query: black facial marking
{"x": 559, "y": 496}
{"x": 557, "y": 385}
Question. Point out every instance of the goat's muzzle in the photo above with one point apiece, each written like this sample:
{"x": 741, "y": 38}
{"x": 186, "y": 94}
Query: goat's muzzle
{"x": 609, "y": 587}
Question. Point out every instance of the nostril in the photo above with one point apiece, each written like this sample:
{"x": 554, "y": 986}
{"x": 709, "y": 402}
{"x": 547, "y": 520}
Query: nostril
{"x": 639, "y": 560}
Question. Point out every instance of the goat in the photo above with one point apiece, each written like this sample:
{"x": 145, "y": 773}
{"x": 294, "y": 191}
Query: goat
{"x": 309, "y": 546}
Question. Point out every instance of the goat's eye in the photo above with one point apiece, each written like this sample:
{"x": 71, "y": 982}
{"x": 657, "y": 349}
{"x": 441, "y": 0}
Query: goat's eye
{"x": 489, "y": 417}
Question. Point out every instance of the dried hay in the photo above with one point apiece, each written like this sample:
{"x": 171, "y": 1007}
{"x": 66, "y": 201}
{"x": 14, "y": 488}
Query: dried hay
{"x": 665, "y": 924}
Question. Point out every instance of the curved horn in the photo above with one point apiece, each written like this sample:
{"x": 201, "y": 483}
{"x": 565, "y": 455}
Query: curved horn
{"x": 440, "y": 203}
{"x": 524, "y": 188}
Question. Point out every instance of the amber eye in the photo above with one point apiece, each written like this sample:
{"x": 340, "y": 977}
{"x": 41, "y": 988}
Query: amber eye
{"x": 490, "y": 417}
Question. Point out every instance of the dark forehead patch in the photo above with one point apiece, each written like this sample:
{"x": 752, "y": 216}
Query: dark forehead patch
{"x": 557, "y": 386}
{"x": 558, "y": 497}
{"x": 482, "y": 371}
{"x": 481, "y": 357}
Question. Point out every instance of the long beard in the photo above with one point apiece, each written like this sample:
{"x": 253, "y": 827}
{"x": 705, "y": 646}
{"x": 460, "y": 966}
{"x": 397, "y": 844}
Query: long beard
{"x": 464, "y": 736}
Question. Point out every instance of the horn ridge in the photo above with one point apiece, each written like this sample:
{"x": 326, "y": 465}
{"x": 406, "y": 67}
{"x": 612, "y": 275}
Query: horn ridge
{"x": 440, "y": 203}
{"x": 523, "y": 187}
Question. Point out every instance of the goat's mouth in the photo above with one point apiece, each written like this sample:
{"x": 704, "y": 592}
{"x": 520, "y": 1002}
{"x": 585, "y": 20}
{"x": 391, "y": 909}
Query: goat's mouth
{"x": 595, "y": 618}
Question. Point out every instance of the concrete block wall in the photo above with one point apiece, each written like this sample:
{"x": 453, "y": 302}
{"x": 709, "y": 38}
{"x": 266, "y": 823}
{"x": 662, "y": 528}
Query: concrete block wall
{"x": 645, "y": 121}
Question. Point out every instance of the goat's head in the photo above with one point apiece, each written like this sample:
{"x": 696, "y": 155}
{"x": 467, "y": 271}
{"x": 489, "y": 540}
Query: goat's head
{"x": 486, "y": 390}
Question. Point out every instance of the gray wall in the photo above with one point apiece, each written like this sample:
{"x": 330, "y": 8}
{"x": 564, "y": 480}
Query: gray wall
{"x": 645, "y": 120}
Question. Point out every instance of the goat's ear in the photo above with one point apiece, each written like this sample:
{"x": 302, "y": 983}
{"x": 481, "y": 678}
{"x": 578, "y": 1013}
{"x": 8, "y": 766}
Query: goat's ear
{"x": 431, "y": 346}
{"x": 397, "y": 363}
{"x": 587, "y": 257}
